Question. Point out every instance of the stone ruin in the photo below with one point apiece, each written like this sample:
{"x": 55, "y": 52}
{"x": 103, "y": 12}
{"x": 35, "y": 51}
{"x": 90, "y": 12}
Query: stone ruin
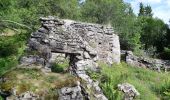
{"x": 84, "y": 43}
{"x": 146, "y": 62}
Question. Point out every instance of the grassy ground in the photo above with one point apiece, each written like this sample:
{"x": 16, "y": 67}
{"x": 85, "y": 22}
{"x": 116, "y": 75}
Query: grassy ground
{"x": 36, "y": 81}
{"x": 150, "y": 84}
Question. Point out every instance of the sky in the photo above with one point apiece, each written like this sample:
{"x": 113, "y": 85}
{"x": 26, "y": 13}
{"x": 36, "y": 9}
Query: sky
{"x": 160, "y": 8}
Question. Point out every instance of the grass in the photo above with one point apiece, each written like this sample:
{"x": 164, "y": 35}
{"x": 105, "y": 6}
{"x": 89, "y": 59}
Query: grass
{"x": 150, "y": 84}
{"x": 36, "y": 81}
{"x": 8, "y": 32}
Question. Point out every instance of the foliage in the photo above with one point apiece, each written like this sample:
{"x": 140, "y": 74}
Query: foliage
{"x": 7, "y": 47}
{"x": 116, "y": 13}
{"x": 11, "y": 48}
{"x": 154, "y": 32}
{"x": 7, "y": 64}
{"x": 165, "y": 54}
{"x": 142, "y": 32}
{"x": 135, "y": 32}
{"x": 60, "y": 67}
{"x": 151, "y": 85}
{"x": 145, "y": 10}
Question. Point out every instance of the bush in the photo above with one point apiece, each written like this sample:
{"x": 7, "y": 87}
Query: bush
{"x": 7, "y": 63}
{"x": 59, "y": 67}
{"x": 8, "y": 47}
{"x": 11, "y": 48}
{"x": 165, "y": 54}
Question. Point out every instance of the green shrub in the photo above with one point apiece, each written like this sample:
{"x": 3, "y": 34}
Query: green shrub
{"x": 165, "y": 54}
{"x": 11, "y": 48}
{"x": 57, "y": 68}
{"x": 60, "y": 67}
{"x": 8, "y": 47}
{"x": 7, "y": 63}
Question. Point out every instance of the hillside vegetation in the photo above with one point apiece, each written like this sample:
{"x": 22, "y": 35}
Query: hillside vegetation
{"x": 150, "y": 84}
{"x": 143, "y": 34}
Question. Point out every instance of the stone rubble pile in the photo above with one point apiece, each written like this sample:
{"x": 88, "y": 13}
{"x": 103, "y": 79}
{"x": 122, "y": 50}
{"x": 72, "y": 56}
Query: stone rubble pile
{"x": 153, "y": 64}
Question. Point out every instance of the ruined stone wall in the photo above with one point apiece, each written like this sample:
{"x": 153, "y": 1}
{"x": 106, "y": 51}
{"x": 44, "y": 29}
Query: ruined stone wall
{"x": 84, "y": 43}
{"x": 84, "y": 39}
{"x": 146, "y": 62}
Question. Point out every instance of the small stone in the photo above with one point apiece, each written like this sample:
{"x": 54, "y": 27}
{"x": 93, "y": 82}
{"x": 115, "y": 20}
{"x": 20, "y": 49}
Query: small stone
{"x": 86, "y": 55}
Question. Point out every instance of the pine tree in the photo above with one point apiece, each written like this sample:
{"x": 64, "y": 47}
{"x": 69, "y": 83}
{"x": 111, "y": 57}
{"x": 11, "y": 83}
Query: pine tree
{"x": 141, "y": 10}
{"x": 148, "y": 11}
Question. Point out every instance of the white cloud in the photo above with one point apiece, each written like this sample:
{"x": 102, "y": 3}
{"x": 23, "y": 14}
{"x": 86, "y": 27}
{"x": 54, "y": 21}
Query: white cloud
{"x": 168, "y": 2}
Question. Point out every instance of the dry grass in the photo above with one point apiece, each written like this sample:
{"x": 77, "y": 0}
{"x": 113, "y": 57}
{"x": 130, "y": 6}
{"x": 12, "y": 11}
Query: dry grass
{"x": 36, "y": 81}
{"x": 8, "y": 32}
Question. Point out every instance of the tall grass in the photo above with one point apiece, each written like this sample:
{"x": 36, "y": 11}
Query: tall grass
{"x": 150, "y": 84}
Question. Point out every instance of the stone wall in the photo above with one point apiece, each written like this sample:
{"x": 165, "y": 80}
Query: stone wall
{"x": 84, "y": 43}
{"x": 145, "y": 62}
{"x": 84, "y": 39}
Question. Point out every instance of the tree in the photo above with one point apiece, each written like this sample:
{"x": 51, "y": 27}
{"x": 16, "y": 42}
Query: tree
{"x": 148, "y": 11}
{"x": 141, "y": 10}
{"x": 153, "y": 34}
{"x": 145, "y": 10}
{"x": 119, "y": 14}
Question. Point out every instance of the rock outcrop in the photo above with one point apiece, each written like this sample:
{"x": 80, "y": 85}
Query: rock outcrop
{"x": 31, "y": 59}
{"x": 84, "y": 43}
{"x": 153, "y": 64}
{"x": 129, "y": 91}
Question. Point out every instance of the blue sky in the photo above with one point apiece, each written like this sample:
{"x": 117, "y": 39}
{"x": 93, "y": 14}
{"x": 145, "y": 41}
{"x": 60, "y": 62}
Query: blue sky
{"x": 161, "y": 8}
